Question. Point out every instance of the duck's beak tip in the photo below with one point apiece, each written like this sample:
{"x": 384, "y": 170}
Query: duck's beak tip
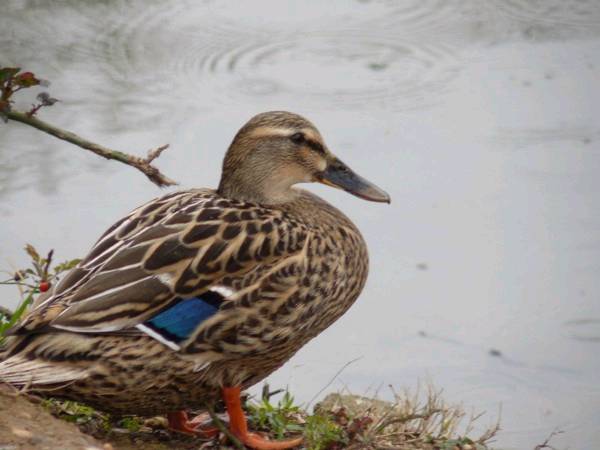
{"x": 340, "y": 176}
{"x": 376, "y": 195}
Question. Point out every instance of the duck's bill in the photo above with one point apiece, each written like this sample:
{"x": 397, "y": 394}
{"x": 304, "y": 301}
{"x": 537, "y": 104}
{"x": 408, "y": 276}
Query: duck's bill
{"x": 339, "y": 175}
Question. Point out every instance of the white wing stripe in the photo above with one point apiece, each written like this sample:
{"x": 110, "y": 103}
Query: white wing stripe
{"x": 153, "y": 334}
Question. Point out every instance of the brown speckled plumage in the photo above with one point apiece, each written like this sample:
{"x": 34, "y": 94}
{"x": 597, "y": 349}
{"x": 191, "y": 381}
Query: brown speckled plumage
{"x": 282, "y": 272}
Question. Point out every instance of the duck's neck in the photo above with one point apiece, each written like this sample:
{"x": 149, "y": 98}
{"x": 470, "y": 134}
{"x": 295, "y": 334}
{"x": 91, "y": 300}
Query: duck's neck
{"x": 262, "y": 190}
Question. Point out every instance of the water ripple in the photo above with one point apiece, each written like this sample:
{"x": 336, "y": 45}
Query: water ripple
{"x": 177, "y": 52}
{"x": 350, "y": 65}
{"x": 566, "y": 12}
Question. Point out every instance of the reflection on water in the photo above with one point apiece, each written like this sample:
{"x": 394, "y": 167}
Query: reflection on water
{"x": 478, "y": 117}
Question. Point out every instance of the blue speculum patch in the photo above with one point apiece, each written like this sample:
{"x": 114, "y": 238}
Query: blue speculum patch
{"x": 179, "y": 321}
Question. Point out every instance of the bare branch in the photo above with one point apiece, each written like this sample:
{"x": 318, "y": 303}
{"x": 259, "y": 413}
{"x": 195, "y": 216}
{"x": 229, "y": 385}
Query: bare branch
{"x": 144, "y": 165}
{"x": 153, "y": 154}
{"x": 546, "y": 443}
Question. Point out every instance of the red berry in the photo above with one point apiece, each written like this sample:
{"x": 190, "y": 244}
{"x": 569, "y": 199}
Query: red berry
{"x": 44, "y": 286}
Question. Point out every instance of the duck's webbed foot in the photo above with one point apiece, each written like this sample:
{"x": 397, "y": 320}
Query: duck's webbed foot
{"x": 179, "y": 421}
{"x": 239, "y": 426}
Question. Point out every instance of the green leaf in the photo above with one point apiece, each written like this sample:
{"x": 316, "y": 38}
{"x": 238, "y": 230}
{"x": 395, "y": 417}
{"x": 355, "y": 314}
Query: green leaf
{"x": 451, "y": 444}
{"x": 132, "y": 424}
{"x": 66, "y": 265}
{"x": 321, "y": 432}
{"x": 16, "y": 316}
{"x": 6, "y": 73}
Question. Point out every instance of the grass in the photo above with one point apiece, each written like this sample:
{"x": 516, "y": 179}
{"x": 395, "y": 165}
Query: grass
{"x": 71, "y": 411}
{"x": 8, "y": 319}
{"x": 322, "y": 432}
{"x": 409, "y": 422}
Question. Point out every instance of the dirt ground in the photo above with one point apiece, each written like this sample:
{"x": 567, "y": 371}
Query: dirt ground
{"x": 25, "y": 425}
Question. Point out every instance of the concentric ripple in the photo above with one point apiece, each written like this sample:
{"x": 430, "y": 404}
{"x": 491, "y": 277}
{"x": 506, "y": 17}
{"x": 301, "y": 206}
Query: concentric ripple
{"x": 148, "y": 57}
{"x": 346, "y": 67}
{"x": 215, "y": 56}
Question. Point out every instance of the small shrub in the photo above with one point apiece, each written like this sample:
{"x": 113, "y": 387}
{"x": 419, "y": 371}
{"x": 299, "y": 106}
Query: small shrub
{"x": 280, "y": 419}
{"x": 322, "y": 433}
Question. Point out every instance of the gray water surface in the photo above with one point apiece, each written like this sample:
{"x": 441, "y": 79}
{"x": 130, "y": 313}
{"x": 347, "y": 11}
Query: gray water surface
{"x": 479, "y": 117}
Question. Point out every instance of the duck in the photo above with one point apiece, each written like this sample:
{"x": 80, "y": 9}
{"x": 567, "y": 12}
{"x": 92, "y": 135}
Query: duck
{"x": 199, "y": 294}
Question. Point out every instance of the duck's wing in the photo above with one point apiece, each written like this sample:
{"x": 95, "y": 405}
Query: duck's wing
{"x": 161, "y": 269}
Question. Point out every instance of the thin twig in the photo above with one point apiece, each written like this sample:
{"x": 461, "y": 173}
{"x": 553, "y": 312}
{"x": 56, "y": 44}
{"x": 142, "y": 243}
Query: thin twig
{"x": 546, "y": 443}
{"x": 144, "y": 165}
{"x": 153, "y": 154}
{"x": 408, "y": 418}
{"x": 337, "y": 374}
{"x": 266, "y": 393}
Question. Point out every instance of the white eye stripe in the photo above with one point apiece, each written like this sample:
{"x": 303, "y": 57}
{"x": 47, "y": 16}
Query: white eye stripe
{"x": 270, "y": 131}
{"x": 266, "y": 131}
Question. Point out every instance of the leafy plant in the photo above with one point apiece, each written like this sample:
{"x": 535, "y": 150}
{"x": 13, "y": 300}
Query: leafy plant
{"x": 130, "y": 423}
{"x": 280, "y": 419}
{"x": 12, "y": 80}
{"x": 323, "y": 433}
{"x": 70, "y": 411}
{"x": 37, "y": 278}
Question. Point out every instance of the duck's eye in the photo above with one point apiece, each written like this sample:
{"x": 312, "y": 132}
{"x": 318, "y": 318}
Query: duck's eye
{"x": 297, "y": 138}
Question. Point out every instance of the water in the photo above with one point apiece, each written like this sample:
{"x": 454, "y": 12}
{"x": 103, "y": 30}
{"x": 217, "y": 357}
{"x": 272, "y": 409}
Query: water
{"x": 479, "y": 118}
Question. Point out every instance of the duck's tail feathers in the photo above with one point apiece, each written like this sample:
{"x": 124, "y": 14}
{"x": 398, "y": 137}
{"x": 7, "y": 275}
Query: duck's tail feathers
{"x": 23, "y": 372}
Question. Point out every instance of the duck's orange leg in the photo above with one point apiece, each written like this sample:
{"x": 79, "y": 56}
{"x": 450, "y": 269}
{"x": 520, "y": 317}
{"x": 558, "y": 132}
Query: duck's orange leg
{"x": 179, "y": 421}
{"x": 239, "y": 426}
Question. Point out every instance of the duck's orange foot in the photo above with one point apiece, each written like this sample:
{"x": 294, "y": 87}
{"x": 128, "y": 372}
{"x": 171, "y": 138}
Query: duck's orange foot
{"x": 239, "y": 427}
{"x": 257, "y": 442}
{"x": 179, "y": 421}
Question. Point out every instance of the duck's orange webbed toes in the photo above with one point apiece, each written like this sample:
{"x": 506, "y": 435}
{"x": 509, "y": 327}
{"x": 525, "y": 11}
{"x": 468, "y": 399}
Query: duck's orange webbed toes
{"x": 258, "y": 442}
{"x": 239, "y": 426}
{"x": 180, "y": 422}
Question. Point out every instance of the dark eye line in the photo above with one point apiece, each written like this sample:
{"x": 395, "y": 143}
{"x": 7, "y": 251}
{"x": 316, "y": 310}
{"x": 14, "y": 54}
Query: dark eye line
{"x": 316, "y": 146}
{"x": 300, "y": 138}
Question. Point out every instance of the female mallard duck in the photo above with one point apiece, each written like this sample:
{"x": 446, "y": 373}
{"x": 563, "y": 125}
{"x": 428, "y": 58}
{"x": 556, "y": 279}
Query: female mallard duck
{"x": 204, "y": 291}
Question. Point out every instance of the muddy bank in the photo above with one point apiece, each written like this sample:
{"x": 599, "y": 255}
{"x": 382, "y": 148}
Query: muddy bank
{"x": 27, "y": 426}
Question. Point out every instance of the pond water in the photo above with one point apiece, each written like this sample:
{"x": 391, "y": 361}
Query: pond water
{"x": 479, "y": 118}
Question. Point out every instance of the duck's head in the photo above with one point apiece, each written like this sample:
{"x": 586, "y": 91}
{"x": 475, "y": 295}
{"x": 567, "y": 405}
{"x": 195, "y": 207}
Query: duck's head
{"x": 278, "y": 149}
